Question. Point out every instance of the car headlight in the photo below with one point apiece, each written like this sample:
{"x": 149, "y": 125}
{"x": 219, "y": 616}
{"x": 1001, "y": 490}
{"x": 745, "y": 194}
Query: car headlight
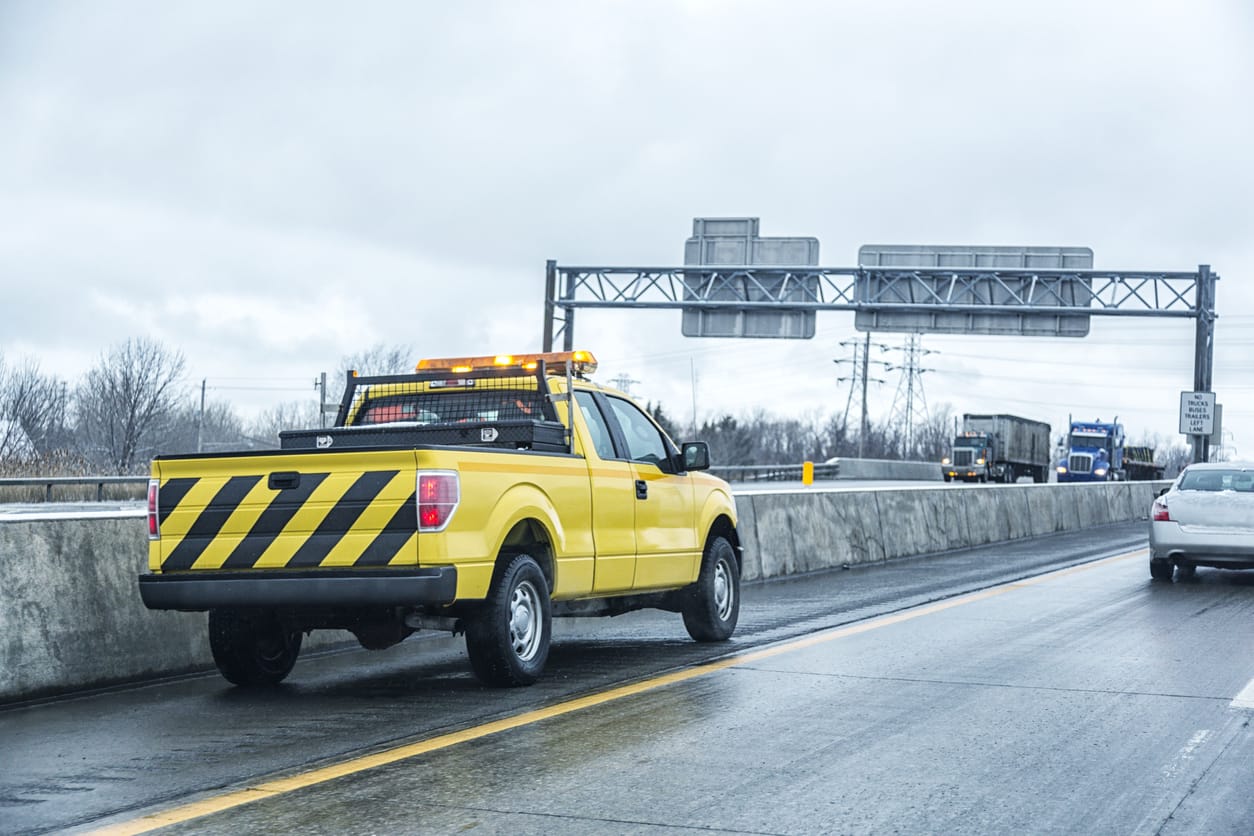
{"x": 1062, "y": 469}
{"x": 1099, "y": 471}
{"x": 979, "y": 461}
{"x": 945, "y": 460}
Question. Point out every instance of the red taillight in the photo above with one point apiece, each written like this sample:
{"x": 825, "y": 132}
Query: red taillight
{"x": 1159, "y": 512}
{"x": 438, "y": 495}
{"x": 154, "y": 530}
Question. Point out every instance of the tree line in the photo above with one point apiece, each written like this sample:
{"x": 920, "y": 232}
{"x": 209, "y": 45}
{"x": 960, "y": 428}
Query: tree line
{"x": 134, "y": 404}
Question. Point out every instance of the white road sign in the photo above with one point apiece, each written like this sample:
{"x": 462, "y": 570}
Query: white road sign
{"x": 1197, "y": 413}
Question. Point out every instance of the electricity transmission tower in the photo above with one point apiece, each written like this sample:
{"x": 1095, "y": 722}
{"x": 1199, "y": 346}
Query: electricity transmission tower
{"x": 909, "y": 398}
{"x": 623, "y": 383}
{"x": 861, "y": 364}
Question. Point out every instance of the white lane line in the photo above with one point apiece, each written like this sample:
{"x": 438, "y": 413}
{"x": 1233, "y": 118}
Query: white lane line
{"x": 1245, "y": 699}
{"x": 1187, "y": 753}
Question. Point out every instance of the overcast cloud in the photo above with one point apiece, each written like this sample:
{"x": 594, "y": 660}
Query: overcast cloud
{"x": 270, "y": 187}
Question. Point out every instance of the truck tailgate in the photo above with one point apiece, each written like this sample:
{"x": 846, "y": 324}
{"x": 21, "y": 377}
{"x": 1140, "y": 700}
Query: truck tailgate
{"x": 286, "y": 511}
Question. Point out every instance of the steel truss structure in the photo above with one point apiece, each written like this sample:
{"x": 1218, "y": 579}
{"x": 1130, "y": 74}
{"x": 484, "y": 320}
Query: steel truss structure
{"x": 1066, "y": 293}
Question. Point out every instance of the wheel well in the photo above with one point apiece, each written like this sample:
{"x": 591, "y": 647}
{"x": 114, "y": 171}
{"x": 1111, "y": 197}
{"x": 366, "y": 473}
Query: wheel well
{"x": 723, "y": 527}
{"x": 528, "y": 537}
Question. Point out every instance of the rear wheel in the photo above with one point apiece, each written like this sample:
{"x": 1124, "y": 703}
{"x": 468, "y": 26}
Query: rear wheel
{"x": 507, "y": 639}
{"x": 1160, "y": 569}
{"x": 252, "y": 649}
{"x": 713, "y": 606}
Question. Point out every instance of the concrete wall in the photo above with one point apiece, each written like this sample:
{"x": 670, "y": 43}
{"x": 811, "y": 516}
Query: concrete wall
{"x": 789, "y": 533}
{"x": 888, "y": 469}
{"x": 71, "y": 617}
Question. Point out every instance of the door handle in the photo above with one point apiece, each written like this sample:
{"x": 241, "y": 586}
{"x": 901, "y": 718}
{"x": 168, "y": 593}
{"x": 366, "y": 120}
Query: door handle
{"x": 642, "y": 489}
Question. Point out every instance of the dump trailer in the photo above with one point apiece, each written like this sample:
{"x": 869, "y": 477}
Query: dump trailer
{"x": 998, "y": 448}
{"x": 1138, "y": 464}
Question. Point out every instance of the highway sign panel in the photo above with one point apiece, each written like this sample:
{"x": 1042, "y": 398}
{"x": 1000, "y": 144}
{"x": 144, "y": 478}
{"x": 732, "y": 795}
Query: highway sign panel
{"x": 1197, "y": 413}
{"x": 967, "y": 297}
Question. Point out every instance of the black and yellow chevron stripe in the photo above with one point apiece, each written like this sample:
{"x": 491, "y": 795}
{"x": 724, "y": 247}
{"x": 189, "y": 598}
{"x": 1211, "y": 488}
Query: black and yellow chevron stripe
{"x": 338, "y": 519}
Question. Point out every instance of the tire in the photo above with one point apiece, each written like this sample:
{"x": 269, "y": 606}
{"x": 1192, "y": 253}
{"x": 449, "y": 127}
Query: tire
{"x": 947, "y": 478}
{"x": 713, "y": 605}
{"x": 1160, "y": 568}
{"x": 1008, "y": 476}
{"x": 507, "y": 638}
{"x": 252, "y": 649}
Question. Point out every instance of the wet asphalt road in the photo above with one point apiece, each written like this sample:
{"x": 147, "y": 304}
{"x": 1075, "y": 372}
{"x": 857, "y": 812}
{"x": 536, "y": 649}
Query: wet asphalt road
{"x": 1088, "y": 701}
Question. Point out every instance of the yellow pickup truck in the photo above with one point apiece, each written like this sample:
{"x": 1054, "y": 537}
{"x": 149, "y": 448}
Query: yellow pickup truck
{"x": 481, "y": 495}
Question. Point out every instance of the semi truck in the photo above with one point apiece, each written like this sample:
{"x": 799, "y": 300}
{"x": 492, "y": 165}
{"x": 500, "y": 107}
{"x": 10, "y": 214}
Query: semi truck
{"x": 998, "y": 448}
{"x": 1094, "y": 452}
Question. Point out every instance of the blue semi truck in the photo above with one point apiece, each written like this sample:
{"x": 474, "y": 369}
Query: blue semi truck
{"x": 1094, "y": 452}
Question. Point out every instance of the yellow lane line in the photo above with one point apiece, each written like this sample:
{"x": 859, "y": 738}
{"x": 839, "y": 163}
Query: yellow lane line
{"x": 280, "y": 786}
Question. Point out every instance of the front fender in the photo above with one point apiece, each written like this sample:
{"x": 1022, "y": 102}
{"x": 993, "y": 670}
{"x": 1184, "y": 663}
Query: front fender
{"x": 718, "y": 503}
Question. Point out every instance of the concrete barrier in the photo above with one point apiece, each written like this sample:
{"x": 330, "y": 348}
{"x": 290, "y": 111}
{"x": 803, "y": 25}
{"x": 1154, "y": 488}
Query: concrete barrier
{"x": 790, "y": 533}
{"x": 71, "y": 617}
{"x": 887, "y": 469}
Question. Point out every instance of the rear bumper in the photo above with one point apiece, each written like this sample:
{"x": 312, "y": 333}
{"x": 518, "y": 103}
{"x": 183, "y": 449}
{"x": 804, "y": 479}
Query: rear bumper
{"x": 1223, "y": 550}
{"x": 195, "y": 591}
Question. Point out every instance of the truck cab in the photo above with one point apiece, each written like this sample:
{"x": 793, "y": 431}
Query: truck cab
{"x": 970, "y": 458}
{"x": 1094, "y": 452}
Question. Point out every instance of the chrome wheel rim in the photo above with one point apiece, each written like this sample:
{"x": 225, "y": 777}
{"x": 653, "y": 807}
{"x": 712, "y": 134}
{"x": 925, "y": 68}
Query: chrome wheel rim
{"x": 524, "y": 621}
{"x": 724, "y": 593}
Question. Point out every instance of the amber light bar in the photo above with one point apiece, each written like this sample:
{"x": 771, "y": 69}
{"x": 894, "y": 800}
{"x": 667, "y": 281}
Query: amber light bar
{"x": 582, "y": 362}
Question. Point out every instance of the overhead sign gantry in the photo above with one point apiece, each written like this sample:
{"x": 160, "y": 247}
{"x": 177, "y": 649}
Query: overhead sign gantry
{"x": 967, "y": 290}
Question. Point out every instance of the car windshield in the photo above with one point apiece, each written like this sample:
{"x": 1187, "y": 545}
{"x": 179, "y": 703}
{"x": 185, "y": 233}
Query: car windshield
{"x": 1218, "y": 480}
{"x": 1080, "y": 439}
{"x": 971, "y": 441}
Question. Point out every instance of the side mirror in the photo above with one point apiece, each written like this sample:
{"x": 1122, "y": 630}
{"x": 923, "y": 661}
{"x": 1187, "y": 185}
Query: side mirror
{"x": 696, "y": 455}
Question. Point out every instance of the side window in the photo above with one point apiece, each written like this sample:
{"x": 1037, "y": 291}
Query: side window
{"x": 644, "y": 442}
{"x": 596, "y": 424}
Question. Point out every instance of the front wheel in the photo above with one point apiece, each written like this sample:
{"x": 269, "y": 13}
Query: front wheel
{"x": 252, "y": 649}
{"x": 507, "y": 639}
{"x": 713, "y": 606}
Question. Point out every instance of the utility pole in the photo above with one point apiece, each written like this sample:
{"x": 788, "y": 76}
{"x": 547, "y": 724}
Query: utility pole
{"x": 321, "y": 385}
{"x": 200, "y": 425}
{"x": 911, "y": 378}
{"x": 861, "y": 364}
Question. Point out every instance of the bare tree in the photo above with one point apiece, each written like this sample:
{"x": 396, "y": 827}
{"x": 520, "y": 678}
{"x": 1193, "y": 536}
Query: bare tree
{"x": 377, "y": 360}
{"x": 37, "y": 403}
{"x": 124, "y": 403}
{"x": 292, "y": 415}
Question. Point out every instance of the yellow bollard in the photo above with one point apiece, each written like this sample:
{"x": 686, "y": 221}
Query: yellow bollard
{"x": 807, "y": 473}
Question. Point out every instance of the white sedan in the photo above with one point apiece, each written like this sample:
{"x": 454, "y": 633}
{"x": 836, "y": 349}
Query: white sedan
{"x": 1206, "y": 518}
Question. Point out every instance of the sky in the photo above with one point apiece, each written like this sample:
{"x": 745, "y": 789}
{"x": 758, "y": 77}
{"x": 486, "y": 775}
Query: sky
{"x": 270, "y": 187}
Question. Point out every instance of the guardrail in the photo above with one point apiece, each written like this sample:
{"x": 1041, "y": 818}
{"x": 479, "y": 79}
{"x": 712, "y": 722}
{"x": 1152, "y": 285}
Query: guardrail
{"x": 773, "y": 472}
{"x": 51, "y": 483}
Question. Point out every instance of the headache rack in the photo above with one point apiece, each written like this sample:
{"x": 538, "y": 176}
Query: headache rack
{"x": 505, "y": 408}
